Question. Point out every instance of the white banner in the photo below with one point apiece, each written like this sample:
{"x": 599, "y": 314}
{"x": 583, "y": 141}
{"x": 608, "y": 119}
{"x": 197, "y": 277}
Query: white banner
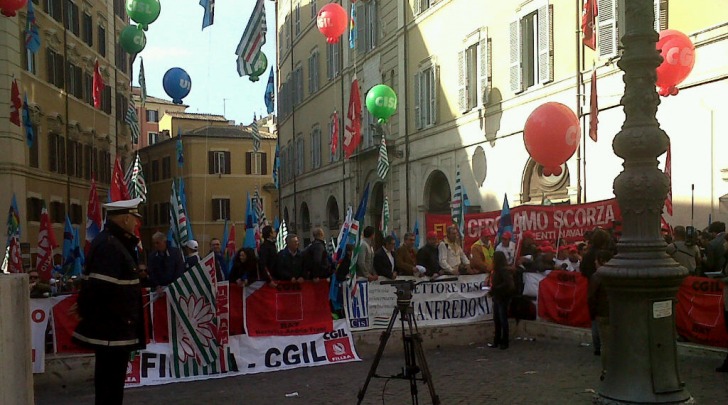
{"x": 249, "y": 355}
{"x": 434, "y": 303}
{"x": 40, "y": 313}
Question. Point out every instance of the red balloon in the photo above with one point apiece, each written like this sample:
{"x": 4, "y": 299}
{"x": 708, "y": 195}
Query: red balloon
{"x": 9, "y": 7}
{"x": 678, "y": 53}
{"x": 551, "y": 136}
{"x": 332, "y": 21}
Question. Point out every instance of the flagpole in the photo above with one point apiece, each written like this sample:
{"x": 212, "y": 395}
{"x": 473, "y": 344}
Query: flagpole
{"x": 65, "y": 98}
{"x": 579, "y": 80}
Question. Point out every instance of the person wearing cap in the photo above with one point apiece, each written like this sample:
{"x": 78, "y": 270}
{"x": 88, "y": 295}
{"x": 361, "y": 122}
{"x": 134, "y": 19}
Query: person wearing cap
{"x": 507, "y": 247}
{"x": 428, "y": 255}
{"x": 528, "y": 244}
{"x": 191, "y": 253}
{"x": 109, "y": 304}
{"x": 481, "y": 253}
{"x": 561, "y": 262}
{"x": 453, "y": 259}
{"x": 165, "y": 263}
{"x": 545, "y": 260}
{"x": 574, "y": 259}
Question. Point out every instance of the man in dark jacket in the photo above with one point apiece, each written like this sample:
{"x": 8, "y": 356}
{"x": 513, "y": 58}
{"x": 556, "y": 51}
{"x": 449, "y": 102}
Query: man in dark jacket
{"x": 268, "y": 253}
{"x": 428, "y": 256}
{"x": 384, "y": 261}
{"x": 165, "y": 263}
{"x": 315, "y": 258}
{"x": 110, "y": 301}
{"x": 290, "y": 261}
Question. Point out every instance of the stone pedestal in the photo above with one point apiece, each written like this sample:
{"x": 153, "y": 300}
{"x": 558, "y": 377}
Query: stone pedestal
{"x": 16, "y": 372}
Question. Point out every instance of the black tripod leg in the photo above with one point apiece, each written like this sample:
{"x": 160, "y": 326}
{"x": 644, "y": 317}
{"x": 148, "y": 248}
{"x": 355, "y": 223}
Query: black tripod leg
{"x": 420, "y": 356}
{"x": 382, "y": 344}
{"x": 410, "y": 356}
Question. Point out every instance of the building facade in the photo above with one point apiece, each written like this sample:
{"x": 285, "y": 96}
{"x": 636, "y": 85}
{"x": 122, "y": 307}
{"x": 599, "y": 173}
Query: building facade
{"x": 219, "y": 170}
{"x": 149, "y": 115}
{"x": 73, "y": 140}
{"x": 468, "y": 75}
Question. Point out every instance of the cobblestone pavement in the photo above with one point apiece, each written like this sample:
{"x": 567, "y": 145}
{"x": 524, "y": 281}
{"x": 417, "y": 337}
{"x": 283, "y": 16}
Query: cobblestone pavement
{"x": 530, "y": 372}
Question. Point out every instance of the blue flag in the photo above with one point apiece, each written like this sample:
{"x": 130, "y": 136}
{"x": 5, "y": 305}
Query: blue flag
{"x": 72, "y": 257}
{"x": 27, "y": 122}
{"x": 352, "y": 27}
{"x": 416, "y": 231}
{"x": 209, "y": 18}
{"x": 505, "y": 223}
{"x": 270, "y": 93}
{"x": 396, "y": 239}
{"x": 277, "y": 166}
{"x": 180, "y": 149}
{"x": 32, "y": 38}
{"x": 250, "y": 222}
{"x": 276, "y": 223}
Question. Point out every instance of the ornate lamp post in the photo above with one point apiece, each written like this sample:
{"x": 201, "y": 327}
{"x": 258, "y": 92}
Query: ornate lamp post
{"x": 641, "y": 280}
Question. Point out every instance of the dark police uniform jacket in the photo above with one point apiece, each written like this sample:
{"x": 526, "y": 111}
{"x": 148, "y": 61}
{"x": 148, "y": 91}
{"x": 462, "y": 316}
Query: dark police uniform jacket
{"x": 110, "y": 300}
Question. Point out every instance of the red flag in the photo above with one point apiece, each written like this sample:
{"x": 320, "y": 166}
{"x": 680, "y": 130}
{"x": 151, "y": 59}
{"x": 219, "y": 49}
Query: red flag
{"x": 98, "y": 86}
{"x": 94, "y": 221}
{"x": 15, "y": 104}
{"x": 668, "y": 173}
{"x": 588, "y": 23}
{"x": 15, "y": 264}
{"x": 46, "y": 244}
{"x": 594, "y": 107}
{"x": 352, "y": 131}
{"x": 118, "y": 190}
{"x": 334, "y": 132}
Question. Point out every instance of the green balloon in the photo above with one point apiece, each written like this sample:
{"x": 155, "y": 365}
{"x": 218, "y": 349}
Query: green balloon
{"x": 144, "y": 12}
{"x": 382, "y": 102}
{"x": 261, "y": 65}
{"x": 132, "y": 39}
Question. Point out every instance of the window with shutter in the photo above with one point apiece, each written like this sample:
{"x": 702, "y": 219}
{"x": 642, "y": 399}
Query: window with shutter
{"x": 462, "y": 81}
{"x": 545, "y": 44}
{"x": 515, "y": 57}
{"x": 484, "y": 65}
{"x": 263, "y": 163}
{"x": 227, "y": 166}
{"x": 607, "y": 35}
{"x": 531, "y": 57}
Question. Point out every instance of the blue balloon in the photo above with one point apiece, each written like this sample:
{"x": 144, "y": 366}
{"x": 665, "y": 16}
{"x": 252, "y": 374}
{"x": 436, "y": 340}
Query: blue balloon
{"x": 177, "y": 84}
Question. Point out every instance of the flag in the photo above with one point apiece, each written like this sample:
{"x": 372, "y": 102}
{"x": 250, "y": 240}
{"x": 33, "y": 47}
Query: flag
{"x": 72, "y": 256}
{"x": 334, "y": 134}
{"x": 209, "y": 18}
{"x": 464, "y": 208}
{"x": 342, "y": 238}
{"x": 135, "y": 180}
{"x": 32, "y": 38}
{"x": 15, "y": 103}
{"x": 456, "y": 205}
{"x": 281, "y": 236}
{"x": 46, "y": 244}
{"x": 13, "y": 219}
{"x": 256, "y": 135}
{"x": 182, "y": 193}
{"x": 505, "y": 223}
{"x": 356, "y": 235}
{"x": 142, "y": 83}
{"x": 118, "y": 190}
{"x": 588, "y": 23}
{"x": 228, "y": 242}
{"x": 352, "y": 27}
{"x": 593, "y": 107}
{"x": 383, "y": 162}
{"x": 132, "y": 119}
{"x": 12, "y": 246}
{"x": 668, "y": 173}
{"x": 259, "y": 211}
{"x": 180, "y": 150}
{"x": 416, "y": 231}
{"x": 352, "y": 131}
{"x": 276, "y": 223}
{"x": 250, "y": 225}
{"x": 98, "y": 85}
{"x": 177, "y": 218}
{"x": 192, "y": 301}
{"x": 384, "y": 224}
{"x": 277, "y": 166}
{"x": 270, "y": 93}
{"x": 28, "y": 122}
{"x": 93, "y": 215}
{"x": 396, "y": 239}
{"x": 252, "y": 40}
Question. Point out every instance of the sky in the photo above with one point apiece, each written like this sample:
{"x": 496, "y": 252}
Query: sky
{"x": 175, "y": 39}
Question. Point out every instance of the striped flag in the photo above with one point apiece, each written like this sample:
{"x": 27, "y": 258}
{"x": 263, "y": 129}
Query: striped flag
{"x": 281, "y": 237}
{"x": 132, "y": 119}
{"x": 343, "y": 237}
{"x": 252, "y": 40}
{"x": 142, "y": 82}
{"x": 383, "y": 162}
{"x": 668, "y": 173}
{"x": 457, "y": 200}
{"x": 384, "y": 224}
{"x": 356, "y": 235}
{"x": 259, "y": 212}
{"x": 180, "y": 150}
{"x": 177, "y": 218}
{"x": 256, "y": 134}
{"x": 193, "y": 319}
{"x": 135, "y": 180}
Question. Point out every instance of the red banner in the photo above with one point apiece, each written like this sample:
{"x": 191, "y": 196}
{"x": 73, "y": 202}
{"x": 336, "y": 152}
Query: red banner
{"x": 546, "y": 222}
{"x": 562, "y": 298}
{"x": 236, "y": 309}
{"x": 288, "y": 309}
{"x": 64, "y": 324}
{"x": 699, "y": 311}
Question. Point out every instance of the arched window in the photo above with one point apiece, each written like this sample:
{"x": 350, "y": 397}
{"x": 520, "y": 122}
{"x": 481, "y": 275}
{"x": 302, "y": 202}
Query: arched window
{"x": 332, "y": 213}
{"x": 437, "y": 193}
{"x": 540, "y": 189}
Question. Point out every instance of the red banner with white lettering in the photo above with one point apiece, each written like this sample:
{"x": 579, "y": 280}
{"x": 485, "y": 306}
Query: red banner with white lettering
{"x": 288, "y": 309}
{"x": 562, "y": 298}
{"x": 547, "y": 222}
{"x": 699, "y": 311}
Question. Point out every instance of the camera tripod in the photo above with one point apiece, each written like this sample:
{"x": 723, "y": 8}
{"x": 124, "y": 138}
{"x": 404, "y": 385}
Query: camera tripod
{"x": 414, "y": 355}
